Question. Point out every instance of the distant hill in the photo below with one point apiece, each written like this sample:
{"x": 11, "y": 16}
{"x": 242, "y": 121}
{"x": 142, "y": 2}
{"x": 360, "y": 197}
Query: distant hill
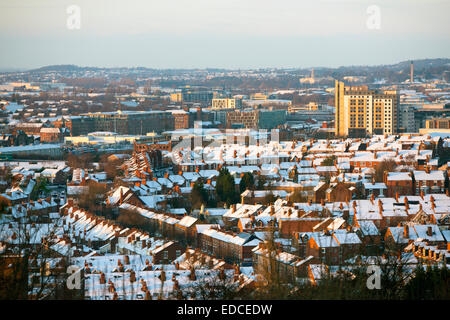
{"x": 424, "y": 63}
{"x": 418, "y": 65}
{"x": 64, "y": 68}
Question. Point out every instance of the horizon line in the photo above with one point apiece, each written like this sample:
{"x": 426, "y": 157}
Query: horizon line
{"x": 23, "y": 69}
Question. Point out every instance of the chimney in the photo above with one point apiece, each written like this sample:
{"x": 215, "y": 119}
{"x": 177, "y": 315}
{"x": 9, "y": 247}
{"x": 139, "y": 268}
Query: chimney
{"x": 192, "y": 275}
{"x": 176, "y": 286}
{"x": 237, "y": 270}
{"x": 222, "y": 275}
{"x": 406, "y": 231}
{"x": 412, "y": 72}
{"x": 144, "y": 285}
{"x": 429, "y": 231}
{"x": 102, "y": 278}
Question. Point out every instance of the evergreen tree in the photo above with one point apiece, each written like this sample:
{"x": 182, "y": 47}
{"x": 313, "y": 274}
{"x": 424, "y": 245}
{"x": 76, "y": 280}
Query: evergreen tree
{"x": 247, "y": 182}
{"x": 199, "y": 195}
{"x": 225, "y": 187}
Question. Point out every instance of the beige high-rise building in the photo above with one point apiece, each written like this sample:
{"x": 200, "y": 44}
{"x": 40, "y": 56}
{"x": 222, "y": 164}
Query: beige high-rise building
{"x": 360, "y": 111}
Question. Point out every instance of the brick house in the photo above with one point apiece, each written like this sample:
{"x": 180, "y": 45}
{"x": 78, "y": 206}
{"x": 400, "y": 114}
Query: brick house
{"x": 378, "y": 189}
{"x": 167, "y": 253}
{"x": 185, "y": 227}
{"x": 333, "y": 192}
{"x": 288, "y": 226}
{"x": 400, "y": 237}
{"x": 333, "y": 248}
{"x": 368, "y": 233}
{"x": 339, "y": 192}
{"x": 401, "y": 183}
{"x": 288, "y": 266}
{"x": 429, "y": 181}
{"x": 324, "y": 248}
{"x": 227, "y": 246}
{"x": 11, "y": 198}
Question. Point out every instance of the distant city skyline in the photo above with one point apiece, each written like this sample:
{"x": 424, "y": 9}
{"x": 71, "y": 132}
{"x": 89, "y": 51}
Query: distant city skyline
{"x": 221, "y": 34}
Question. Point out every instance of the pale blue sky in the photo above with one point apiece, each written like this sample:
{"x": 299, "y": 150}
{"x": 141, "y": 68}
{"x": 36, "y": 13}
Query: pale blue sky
{"x": 221, "y": 33}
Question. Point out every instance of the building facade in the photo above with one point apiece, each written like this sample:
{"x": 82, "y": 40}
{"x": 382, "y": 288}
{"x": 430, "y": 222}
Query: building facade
{"x": 360, "y": 111}
{"x": 406, "y": 119}
{"x": 438, "y": 123}
{"x": 122, "y": 122}
{"x": 225, "y": 103}
{"x": 256, "y": 119}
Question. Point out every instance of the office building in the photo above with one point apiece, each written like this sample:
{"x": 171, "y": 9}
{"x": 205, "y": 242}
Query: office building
{"x": 121, "y": 122}
{"x": 406, "y": 120}
{"x": 255, "y": 119}
{"x": 224, "y": 103}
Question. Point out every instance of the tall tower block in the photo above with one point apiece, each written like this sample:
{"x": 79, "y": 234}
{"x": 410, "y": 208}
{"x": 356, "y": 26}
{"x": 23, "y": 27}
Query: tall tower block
{"x": 360, "y": 111}
{"x": 339, "y": 112}
{"x": 412, "y": 72}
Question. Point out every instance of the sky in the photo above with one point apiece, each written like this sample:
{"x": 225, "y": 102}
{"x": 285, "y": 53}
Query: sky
{"x": 221, "y": 33}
